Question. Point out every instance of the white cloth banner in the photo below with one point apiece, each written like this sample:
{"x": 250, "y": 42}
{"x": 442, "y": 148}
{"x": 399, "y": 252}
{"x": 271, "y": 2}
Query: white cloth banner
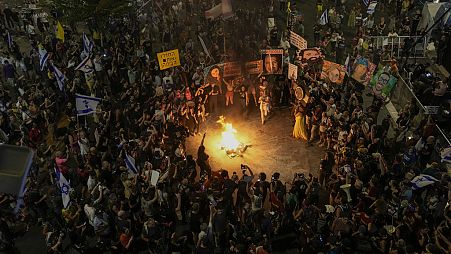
{"x": 202, "y": 42}
{"x": 214, "y": 12}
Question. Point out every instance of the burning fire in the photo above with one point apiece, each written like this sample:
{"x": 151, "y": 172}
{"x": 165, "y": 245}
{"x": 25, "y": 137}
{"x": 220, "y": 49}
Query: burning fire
{"x": 229, "y": 141}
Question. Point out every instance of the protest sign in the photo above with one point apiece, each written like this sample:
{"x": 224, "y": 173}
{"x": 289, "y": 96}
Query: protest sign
{"x": 383, "y": 83}
{"x": 333, "y": 72}
{"x": 232, "y": 69}
{"x": 168, "y": 59}
{"x": 292, "y": 71}
{"x": 297, "y": 41}
{"x": 272, "y": 61}
{"x": 254, "y": 67}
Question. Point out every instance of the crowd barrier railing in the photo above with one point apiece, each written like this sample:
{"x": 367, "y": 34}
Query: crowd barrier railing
{"x": 396, "y": 44}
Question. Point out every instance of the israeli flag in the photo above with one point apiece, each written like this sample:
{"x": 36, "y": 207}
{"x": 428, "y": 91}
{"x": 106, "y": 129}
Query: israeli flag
{"x": 87, "y": 44}
{"x": 63, "y": 186}
{"x": 10, "y": 40}
{"x": 130, "y": 163}
{"x": 43, "y": 57}
{"x": 86, "y": 105}
{"x": 371, "y": 8}
{"x": 59, "y": 76}
{"x": 85, "y": 66}
{"x": 446, "y": 154}
{"x": 324, "y": 18}
{"x": 422, "y": 181}
{"x": 366, "y": 2}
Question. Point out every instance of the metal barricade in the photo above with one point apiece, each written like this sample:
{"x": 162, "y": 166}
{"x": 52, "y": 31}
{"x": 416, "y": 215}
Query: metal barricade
{"x": 395, "y": 45}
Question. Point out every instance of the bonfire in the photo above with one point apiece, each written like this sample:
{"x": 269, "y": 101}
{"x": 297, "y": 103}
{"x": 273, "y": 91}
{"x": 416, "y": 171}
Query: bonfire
{"x": 229, "y": 142}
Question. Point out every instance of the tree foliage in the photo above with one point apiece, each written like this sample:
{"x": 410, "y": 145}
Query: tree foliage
{"x": 81, "y": 10}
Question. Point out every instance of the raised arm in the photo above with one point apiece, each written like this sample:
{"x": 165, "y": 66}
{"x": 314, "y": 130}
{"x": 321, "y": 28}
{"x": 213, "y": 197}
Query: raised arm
{"x": 203, "y": 138}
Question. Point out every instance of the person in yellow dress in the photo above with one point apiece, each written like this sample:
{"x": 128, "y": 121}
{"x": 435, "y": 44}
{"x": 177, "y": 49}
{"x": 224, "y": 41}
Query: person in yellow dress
{"x": 299, "y": 130}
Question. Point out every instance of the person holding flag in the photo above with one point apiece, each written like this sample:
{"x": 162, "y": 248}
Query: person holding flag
{"x": 63, "y": 186}
{"x": 324, "y": 19}
{"x": 43, "y": 57}
{"x": 59, "y": 77}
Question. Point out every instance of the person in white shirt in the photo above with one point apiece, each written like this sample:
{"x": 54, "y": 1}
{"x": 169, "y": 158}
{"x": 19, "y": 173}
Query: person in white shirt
{"x": 31, "y": 31}
{"x": 158, "y": 81}
{"x": 198, "y": 77}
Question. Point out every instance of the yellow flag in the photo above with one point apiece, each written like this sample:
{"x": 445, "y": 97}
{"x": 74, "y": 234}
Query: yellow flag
{"x": 59, "y": 31}
{"x": 96, "y": 35}
{"x": 289, "y": 6}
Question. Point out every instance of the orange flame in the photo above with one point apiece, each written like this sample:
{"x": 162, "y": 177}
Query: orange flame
{"x": 229, "y": 141}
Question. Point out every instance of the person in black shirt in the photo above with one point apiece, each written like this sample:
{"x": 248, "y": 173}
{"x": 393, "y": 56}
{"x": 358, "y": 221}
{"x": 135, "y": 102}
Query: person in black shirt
{"x": 202, "y": 160}
{"x": 244, "y": 100}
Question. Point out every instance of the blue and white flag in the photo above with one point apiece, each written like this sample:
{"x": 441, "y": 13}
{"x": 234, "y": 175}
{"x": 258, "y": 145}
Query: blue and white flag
{"x": 63, "y": 186}
{"x": 366, "y": 2}
{"x": 324, "y": 18}
{"x": 130, "y": 163}
{"x": 10, "y": 40}
{"x": 85, "y": 65}
{"x": 87, "y": 44}
{"x": 59, "y": 76}
{"x": 371, "y": 8}
{"x": 446, "y": 154}
{"x": 86, "y": 105}
{"x": 422, "y": 181}
{"x": 43, "y": 57}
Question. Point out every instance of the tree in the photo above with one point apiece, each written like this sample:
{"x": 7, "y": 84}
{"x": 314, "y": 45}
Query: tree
{"x": 73, "y": 11}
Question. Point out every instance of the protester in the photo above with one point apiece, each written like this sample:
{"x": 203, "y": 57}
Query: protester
{"x": 119, "y": 179}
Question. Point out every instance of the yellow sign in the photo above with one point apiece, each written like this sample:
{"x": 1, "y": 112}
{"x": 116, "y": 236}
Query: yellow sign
{"x": 168, "y": 59}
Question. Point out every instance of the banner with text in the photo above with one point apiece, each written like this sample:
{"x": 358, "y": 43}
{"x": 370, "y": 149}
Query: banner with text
{"x": 254, "y": 67}
{"x": 297, "y": 41}
{"x": 168, "y": 59}
{"x": 232, "y": 69}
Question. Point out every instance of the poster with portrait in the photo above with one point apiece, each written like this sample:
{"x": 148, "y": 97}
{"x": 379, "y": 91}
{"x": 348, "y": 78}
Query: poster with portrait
{"x": 272, "y": 61}
{"x": 383, "y": 83}
{"x": 310, "y": 56}
{"x": 214, "y": 74}
{"x": 333, "y": 72}
{"x": 232, "y": 69}
{"x": 362, "y": 70}
{"x": 254, "y": 67}
{"x": 292, "y": 71}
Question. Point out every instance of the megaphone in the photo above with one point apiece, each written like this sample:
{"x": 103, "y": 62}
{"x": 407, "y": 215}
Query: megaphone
{"x": 346, "y": 188}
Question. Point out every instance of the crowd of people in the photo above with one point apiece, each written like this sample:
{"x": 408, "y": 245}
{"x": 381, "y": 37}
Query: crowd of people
{"x": 362, "y": 201}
